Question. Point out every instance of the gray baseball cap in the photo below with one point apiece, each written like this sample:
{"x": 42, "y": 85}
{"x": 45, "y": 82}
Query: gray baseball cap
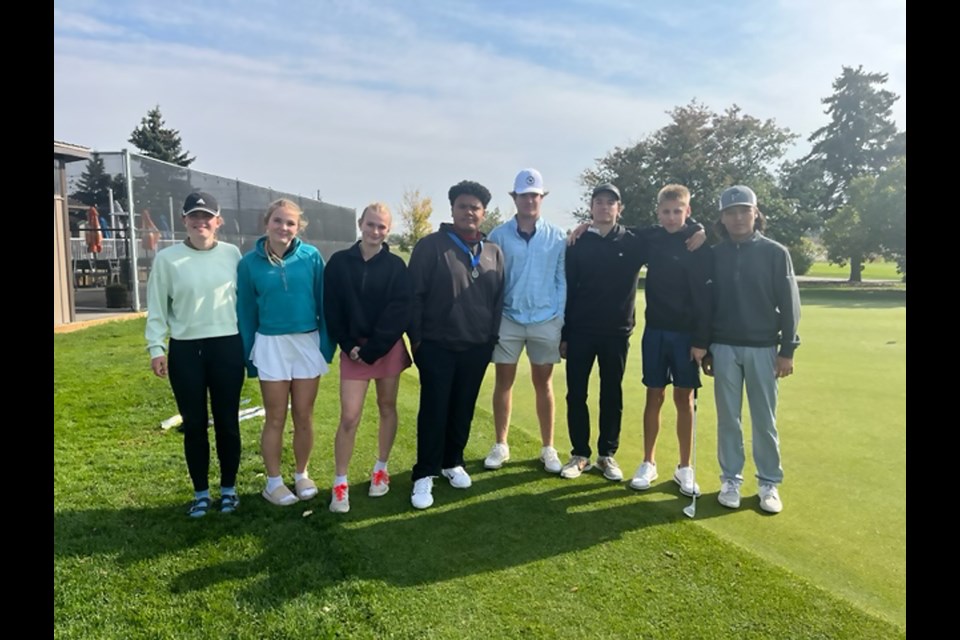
{"x": 607, "y": 187}
{"x": 737, "y": 194}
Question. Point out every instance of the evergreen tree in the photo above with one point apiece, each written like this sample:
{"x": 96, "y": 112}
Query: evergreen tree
{"x": 861, "y": 140}
{"x": 155, "y": 140}
{"x": 94, "y": 184}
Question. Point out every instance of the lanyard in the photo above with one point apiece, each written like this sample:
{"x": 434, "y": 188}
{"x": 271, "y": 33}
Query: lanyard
{"x": 474, "y": 259}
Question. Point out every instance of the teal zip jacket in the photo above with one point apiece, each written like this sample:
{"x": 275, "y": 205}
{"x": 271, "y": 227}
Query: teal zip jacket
{"x": 280, "y": 299}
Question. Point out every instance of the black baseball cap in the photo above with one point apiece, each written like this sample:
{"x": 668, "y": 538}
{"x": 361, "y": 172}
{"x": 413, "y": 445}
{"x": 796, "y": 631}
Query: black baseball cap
{"x": 201, "y": 201}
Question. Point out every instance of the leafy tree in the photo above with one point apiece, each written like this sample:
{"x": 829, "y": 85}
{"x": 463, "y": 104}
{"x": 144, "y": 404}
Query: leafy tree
{"x": 707, "y": 152}
{"x": 94, "y": 184}
{"x": 492, "y": 220}
{"x": 155, "y": 140}
{"x": 872, "y": 222}
{"x": 861, "y": 139}
{"x": 398, "y": 241}
{"x": 415, "y": 212}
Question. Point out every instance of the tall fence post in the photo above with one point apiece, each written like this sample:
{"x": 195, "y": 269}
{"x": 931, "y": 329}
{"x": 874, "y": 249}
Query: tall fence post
{"x": 132, "y": 231}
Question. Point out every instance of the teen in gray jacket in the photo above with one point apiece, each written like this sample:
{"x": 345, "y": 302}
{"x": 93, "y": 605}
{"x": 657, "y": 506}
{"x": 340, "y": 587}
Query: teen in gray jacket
{"x": 756, "y": 313}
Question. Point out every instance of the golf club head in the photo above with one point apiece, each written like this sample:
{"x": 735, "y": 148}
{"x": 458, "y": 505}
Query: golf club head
{"x": 690, "y": 510}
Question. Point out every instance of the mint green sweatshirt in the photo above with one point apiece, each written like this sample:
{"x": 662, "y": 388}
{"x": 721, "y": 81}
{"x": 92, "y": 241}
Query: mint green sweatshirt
{"x": 192, "y": 294}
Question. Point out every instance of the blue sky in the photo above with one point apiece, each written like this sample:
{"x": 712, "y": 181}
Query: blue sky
{"x": 363, "y": 99}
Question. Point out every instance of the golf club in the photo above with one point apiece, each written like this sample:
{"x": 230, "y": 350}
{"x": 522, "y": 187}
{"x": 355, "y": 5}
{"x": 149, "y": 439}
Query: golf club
{"x": 691, "y": 509}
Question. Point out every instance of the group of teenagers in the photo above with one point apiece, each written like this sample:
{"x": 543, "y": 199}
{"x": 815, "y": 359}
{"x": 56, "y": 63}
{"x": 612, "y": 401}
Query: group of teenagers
{"x": 466, "y": 299}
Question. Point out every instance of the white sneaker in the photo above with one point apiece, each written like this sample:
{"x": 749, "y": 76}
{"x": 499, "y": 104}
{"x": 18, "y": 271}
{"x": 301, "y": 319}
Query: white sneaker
{"x": 729, "y": 495}
{"x": 550, "y": 460}
{"x": 340, "y": 498}
{"x": 683, "y": 476}
{"x": 770, "y": 498}
{"x": 499, "y": 453}
{"x": 422, "y": 496}
{"x": 458, "y": 477}
{"x": 575, "y": 466}
{"x": 644, "y": 477}
{"x": 610, "y": 467}
{"x": 379, "y": 483}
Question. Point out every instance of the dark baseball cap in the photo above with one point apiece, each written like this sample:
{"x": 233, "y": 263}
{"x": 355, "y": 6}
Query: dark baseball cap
{"x": 201, "y": 201}
{"x": 738, "y": 194}
{"x": 608, "y": 187}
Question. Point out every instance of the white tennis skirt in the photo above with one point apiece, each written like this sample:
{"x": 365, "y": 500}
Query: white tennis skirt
{"x": 292, "y": 356}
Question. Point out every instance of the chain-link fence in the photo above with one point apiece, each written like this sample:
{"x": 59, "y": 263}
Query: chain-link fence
{"x": 133, "y": 233}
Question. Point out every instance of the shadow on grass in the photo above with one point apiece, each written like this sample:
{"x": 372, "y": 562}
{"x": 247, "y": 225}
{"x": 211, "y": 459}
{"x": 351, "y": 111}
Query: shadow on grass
{"x": 509, "y": 518}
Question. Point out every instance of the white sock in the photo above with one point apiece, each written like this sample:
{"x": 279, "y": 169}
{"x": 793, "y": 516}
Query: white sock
{"x": 273, "y": 482}
{"x": 338, "y": 480}
{"x": 380, "y": 466}
{"x": 297, "y": 477}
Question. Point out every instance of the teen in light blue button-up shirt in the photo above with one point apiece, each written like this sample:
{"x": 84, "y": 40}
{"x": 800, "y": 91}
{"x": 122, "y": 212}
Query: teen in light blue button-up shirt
{"x": 536, "y": 284}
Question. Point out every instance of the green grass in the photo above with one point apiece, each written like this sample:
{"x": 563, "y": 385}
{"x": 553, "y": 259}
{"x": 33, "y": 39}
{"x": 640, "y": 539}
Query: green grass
{"x": 520, "y": 554}
{"x": 879, "y": 270}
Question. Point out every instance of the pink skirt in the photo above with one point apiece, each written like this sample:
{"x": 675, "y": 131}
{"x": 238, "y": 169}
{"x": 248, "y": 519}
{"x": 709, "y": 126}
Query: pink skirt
{"x": 389, "y": 366}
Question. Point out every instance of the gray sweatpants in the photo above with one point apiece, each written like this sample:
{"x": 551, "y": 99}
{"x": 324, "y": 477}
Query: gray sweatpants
{"x": 755, "y": 366}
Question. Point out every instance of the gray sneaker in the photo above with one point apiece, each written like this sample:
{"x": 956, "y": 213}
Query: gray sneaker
{"x": 770, "y": 498}
{"x": 575, "y": 466}
{"x": 610, "y": 467}
{"x": 729, "y": 495}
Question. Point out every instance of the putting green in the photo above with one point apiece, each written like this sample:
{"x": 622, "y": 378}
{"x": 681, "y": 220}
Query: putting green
{"x": 842, "y": 420}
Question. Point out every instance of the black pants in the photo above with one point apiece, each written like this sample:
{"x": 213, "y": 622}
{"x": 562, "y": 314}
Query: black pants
{"x": 196, "y": 367}
{"x": 449, "y": 384}
{"x": 610, "y": 352}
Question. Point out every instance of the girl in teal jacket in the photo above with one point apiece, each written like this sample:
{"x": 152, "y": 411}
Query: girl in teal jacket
{"x": 285, "y": 342}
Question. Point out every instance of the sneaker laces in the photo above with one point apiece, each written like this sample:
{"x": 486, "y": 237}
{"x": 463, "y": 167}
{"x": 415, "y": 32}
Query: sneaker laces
{"x": 610, "y": 463}
{"x": 381, "y": 477}
{"x": 340, "y": 491}
{"x": 423, "y": 485}
{"x": 729, "y": 486}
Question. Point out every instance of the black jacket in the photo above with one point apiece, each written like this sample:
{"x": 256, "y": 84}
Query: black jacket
{"x": 450, "y": 306}
{"x": 602, "y": 276}
{"x": 368, "y": 300}
{"x": 678, "y": 286}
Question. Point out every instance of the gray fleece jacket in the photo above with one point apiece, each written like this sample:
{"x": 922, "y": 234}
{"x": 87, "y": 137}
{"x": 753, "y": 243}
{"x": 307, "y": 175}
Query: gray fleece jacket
{"x": 756, "y": 300}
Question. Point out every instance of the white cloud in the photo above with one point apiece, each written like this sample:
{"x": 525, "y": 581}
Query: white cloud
{"x": 361, "y": 101}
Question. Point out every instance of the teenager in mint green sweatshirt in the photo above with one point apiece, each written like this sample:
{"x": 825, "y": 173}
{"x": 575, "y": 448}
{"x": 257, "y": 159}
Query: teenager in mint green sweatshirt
{"x": 191, "y": 295}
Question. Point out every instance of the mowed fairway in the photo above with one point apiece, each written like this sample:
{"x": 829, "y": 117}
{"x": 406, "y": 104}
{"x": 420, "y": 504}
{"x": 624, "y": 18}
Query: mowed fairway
{"x": 520, "y": 554}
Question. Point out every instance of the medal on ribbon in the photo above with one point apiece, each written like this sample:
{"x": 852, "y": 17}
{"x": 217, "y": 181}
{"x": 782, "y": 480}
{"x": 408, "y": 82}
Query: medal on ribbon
{"x": 474, "y": 259}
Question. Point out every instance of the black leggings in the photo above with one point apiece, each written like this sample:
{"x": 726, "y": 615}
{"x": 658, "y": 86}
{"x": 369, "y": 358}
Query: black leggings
{"x": 196, "y": 366}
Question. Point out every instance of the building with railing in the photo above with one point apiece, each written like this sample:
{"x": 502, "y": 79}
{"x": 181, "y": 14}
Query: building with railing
{"x": 139, "y": 214}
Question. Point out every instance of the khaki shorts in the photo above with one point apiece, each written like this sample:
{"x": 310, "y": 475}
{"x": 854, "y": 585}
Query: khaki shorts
{"x": 542, "y": 341}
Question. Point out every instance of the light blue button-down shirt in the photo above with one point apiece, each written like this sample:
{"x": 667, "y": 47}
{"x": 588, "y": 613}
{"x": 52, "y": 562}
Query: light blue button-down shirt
{"x": 535, "y": 280}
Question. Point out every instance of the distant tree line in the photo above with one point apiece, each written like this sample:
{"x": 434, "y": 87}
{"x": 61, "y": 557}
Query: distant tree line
{"x": 850, "y": 190}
